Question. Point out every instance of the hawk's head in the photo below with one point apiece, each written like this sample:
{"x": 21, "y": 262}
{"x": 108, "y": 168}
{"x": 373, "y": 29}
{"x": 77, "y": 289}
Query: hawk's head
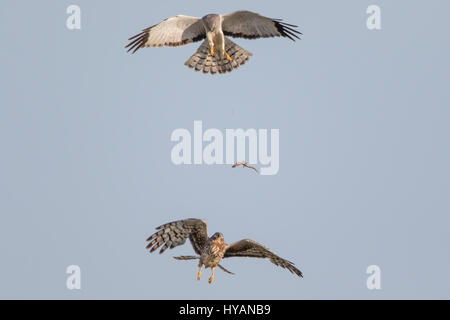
{"x": 217, "y": 235}
{"x": 218, "y": 243}
{"x": 212, "y": 22}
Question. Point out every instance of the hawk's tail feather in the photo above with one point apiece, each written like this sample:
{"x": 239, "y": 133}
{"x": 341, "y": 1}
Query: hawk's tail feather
{"x": 202, "y": 60}
{"x": 225, "y": 269}
{"x": 186, "y": 258}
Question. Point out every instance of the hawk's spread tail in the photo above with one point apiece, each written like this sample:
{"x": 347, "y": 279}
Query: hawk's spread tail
{"x": 202, "y": 60}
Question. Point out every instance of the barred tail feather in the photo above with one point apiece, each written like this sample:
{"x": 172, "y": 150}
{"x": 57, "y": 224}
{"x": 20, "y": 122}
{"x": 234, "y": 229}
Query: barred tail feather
{"x": 202, "y": 60}
{"x": 227, "y": 271}
{"x": 186, "y": 258}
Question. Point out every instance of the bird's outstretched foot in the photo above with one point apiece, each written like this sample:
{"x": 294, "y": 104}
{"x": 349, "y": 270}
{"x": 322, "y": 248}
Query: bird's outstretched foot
{"x": 228, "y": 57}
{"x": 199, "y": 273}
{"x": 212, "y": 275}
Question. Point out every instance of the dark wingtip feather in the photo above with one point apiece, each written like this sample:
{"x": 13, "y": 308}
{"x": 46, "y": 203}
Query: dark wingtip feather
{"x": 293, "y": 269}
{"x": 287, "y": 30}
{"x": 138, "y": 41}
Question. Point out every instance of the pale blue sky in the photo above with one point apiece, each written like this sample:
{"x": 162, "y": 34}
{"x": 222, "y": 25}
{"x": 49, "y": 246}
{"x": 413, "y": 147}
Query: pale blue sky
{"x": 86, "y": 175}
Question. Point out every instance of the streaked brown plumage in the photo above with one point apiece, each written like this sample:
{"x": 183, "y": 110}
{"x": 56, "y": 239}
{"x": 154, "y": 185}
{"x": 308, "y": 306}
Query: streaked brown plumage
{"x": 210, "y": 250}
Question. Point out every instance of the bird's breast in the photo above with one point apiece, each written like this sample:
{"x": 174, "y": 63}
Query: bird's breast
{"x": 214, "y": 254}
{"x": 218, "y": 38}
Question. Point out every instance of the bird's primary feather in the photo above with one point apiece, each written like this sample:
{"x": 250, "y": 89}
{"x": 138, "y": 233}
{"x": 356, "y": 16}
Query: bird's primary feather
{"x": 250, "y": 25}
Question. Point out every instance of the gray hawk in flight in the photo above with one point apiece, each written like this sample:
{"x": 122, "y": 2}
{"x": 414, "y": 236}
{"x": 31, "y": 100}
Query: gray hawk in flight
{"x": 210, "y": 250}
{"x": 217, "y": 53}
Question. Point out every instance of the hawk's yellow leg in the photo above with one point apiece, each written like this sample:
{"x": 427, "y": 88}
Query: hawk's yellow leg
{"x": 212, "y": 50}
{"x": 212, "y": 275}
{"x": 228, "y": 56}
{"x": 199, "y": 273}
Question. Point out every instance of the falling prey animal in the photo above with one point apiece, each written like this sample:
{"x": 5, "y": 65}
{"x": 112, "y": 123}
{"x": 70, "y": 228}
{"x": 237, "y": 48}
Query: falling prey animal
{"x": 210, "y": 250}
{"x": 217, "y": 53}
{"x": 244, "y": 165}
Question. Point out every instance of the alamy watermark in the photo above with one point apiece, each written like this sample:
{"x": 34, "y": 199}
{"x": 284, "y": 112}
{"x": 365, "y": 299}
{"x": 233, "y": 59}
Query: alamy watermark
{"x": 73, "y": 21}
{"x": 374, "y": 19}
{"x": 213, "y": 146}
{"x": 374, "y": 280}
{"x": 74, "y": 279}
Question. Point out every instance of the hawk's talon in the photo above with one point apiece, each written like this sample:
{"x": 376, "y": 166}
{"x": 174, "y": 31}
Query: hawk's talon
{"x": 228, "y": 57}
{"x": 212, "y": 275}
{"x": 199, "y": 273}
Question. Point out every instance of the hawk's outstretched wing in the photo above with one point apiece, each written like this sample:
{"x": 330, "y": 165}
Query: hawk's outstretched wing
{"x": 250, "y": 25}
{"x": 252, "y": 249}
{"x": 174, "y": 31}
{"x": 173, "y": 234}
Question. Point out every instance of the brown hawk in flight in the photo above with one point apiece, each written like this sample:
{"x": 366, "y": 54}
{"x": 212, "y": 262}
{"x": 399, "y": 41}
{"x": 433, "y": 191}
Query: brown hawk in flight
{"x": 210, "y": 250}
